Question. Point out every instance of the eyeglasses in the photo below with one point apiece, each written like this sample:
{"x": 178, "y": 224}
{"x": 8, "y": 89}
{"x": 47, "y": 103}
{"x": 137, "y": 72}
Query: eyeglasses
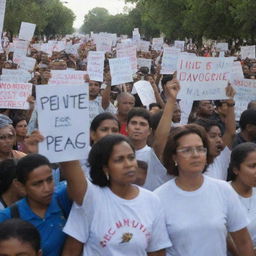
{"x": 5, "y": 137}
{"x": 188, "y": 151}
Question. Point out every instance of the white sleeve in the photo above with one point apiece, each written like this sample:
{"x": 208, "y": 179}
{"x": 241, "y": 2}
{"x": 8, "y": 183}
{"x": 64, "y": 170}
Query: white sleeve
{"x": 80, "y": 217}
{"x": 159, "y": 237}
{"x": 236, "y": 215}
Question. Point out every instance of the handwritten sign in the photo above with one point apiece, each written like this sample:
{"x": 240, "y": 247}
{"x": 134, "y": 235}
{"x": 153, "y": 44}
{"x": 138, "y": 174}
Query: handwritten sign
{"x": 67, "y": 77}
{"x": 120, "y": 70}
{"x": 95, "y": 65}
{"x": 157, "y": 44}
{"x": 15, "y": 75}
{"x": 2, "y": 13}
{"x": 203, "y": 78}
{"x": 26, "y": 63}
{"x": 27, "y": 31}
{"x": 179, "y": 44}
{"x": 144, "y": 46}
{"x": 170, "y": 59}
{"x": 104, "y": 43}
{"x": 222, "y": 47}
{"x": 248, "y": 52}
{"x": 66, "y": 136}
{"x": 20, "y": 47}
{"x": 145, "y": 92}
{"x": 142, "y": 62}
{"x": 245, "y": 92}
{"x": 130, "y": 52}
{"x": 14, "y": 95}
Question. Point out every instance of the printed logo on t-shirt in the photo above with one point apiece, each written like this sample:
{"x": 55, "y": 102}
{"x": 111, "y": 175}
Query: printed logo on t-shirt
{"x": 126, "y": 237}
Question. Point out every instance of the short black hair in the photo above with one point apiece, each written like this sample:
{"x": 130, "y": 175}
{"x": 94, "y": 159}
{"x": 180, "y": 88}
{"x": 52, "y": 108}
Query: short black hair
{"x": 151, "y": 105}
{"x": 100, "y": 118}
{"x": 207, "y": 124}
{"x": 7, "y": 174}
{"x": 141, "y": 112}
{"x": 165, "y": 79}
{"x": 99, "y": 156}
{"x": 21, "y": 230}
{"x": 28, "y": 163}
{"x": 247, "y": 117}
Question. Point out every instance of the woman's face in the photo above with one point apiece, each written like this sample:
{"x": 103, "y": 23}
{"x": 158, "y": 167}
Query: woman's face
{"x": 247, "y": 171}
{"x": 190, "y": 154}
{"x": 105, "y": 128}
{"x": 21, "y": 128}
{"x": 122, "y": 165}
{"x": 15, "y": 247}
{"x": 215, "y": 141}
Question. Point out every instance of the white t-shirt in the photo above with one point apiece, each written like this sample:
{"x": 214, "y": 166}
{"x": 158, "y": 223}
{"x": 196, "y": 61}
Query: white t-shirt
{"x": 219, "y": 168}
{"x": 198, "y": 221}
{"x": 156, "y": 173}
{"x": 95, "y": 108}
{"x": 249, "y": 204}
{"x": 110, "y": 225}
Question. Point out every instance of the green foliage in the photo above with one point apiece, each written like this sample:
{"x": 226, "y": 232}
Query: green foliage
{"x": 50, "y": 16}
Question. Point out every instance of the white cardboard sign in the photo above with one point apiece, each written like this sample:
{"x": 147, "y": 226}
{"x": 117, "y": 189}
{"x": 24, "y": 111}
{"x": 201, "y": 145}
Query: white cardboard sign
{"x": 66, "y": 135}
{"x": 130, "y": 52}
{"x": 170, "y": 59}
{"x": 248, "y": 52}
{"x": 27, "y": 31}
{"x": 67, "y": 77}
{"x": 95, "y": 66}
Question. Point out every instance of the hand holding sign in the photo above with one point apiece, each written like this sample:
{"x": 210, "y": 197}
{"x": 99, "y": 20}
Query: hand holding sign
{"x": 172, "y": 88}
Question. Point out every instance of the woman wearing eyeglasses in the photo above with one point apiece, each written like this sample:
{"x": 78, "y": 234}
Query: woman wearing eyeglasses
{"x": 199, "y": 210}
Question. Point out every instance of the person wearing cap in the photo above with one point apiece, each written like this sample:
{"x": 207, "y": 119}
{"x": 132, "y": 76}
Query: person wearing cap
{"x": 247, "y": 124}
{"x": 7, "y": 140}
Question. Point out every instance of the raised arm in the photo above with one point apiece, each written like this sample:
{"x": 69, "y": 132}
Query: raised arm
{"x": 164, "y": 126}
{"x": 106, "y": 93}
{"x": 230, "y": 122}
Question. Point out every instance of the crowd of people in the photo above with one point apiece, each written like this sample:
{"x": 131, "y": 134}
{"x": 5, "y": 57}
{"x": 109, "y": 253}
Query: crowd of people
{"x": 148, "y": 185}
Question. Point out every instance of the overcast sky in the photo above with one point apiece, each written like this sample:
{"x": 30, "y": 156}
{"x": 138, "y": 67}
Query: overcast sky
{"x": 81, "y": 7}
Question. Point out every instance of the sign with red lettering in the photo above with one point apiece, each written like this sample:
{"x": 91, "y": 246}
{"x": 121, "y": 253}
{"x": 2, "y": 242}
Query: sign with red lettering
{"x": 14, "y": 95}
{"x": 67, "y": 77}
{"x": 203, "y": 78}
{"x": 95, "y": 65}
{"x": 66, "y": 135}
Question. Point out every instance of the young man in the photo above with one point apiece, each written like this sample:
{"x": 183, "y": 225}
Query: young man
{"x": 139, "y": 128}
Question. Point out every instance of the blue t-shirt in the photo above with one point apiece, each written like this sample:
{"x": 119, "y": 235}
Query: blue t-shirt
{"x": 50, "y": 228}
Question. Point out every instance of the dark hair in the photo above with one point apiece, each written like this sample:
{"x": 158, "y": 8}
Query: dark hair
{"x": 7, "y": 174}
{"x": 165, "y": 79}
{"x": 155, "y": 119}
{"x": 172, "y": 144}
{"x": 28, "y": 163}
{"x": 142, "y": 164}
{"x": 251, "y": 104}
{"x": 207, "y": 124}
{"x": 247, "y": 117}
{"x": 100, "y": 118}
{"x": 151, "y": 105}
{"x": 21, "y": 230}
{"x": 238, "y": 155}
{"x": 141, "y": 112}
{"x": 17, "y": 119}
{"x": 99, "y": 156}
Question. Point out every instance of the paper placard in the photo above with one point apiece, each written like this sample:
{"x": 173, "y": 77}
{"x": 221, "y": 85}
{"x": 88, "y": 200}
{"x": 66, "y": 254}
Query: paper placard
{"x": 248, "y": 52}
{"x": 20, "y": 47}
{"x": 26, "y": 63}
{"x": 203, "y": 78}
{"x": 14, "y": 95}
{"x": 130, "y": 52}
{"x": 144, "y": 46}
{"x": 120, "y": 70}
{"x": 95, "y": 66}
{"x": 67, "y": 77}
{"x": 27, "y": 31}
{"x": 222, "y": 47}
{"x": 104, "y": 43}
{"x": 145, "y": 92}
{"x": 245, "y": 92}
{"x": 170, "y": 59}
{"x": 157, "y": 44}
{"x": 179, "y": 44}
{"x": 66, "y": 136}
{"x": 142, "y": 62}
{"x": 2, "y": 13}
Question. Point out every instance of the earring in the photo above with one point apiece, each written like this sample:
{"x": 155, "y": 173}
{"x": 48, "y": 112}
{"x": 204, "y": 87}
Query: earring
{"x": 107, "y": 176}
{"x": 175, "y": 163}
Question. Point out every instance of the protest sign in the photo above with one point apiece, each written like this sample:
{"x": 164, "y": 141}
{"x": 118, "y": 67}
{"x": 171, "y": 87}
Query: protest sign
{"x": 179, "y": 44}
{"x": 67, "y": 77}
{"x": 104, "y": 43}
{"x": 203, "y": 78}
{"x": 14, "y": 95}
{"x": 27, "y": 31}
{"x": 26, "y": 63}
{"x": 72, "y": 49}
{"x": 169, "y": 60}
{"x": 95, "y": 66}
{"x": 120, "y": 70}
{"x": 144, "y": 46}
{"x": 142, "y": 62}
{"x": 66, "y": 135}
{"x": 245, "y": 92}
{"x": 248, "y": 52}
{"x": 136, "y": 37}
{"x": 222, "y": 47}
{"x": 20, "y": 47}
{"x": 15, "y": 75}
{"x": 157, "y": 44}
{"x": 2, "y": 13}
{"x": 237, "y": 70}
{"x": 145, "y": 92}
{"x": 130, "y": 52}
